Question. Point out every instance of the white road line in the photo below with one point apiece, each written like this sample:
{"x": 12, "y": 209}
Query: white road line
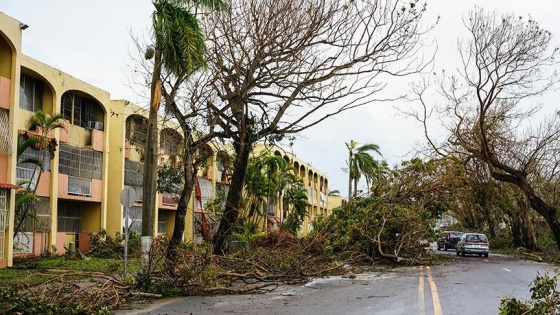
{"x": 506, "y": 269}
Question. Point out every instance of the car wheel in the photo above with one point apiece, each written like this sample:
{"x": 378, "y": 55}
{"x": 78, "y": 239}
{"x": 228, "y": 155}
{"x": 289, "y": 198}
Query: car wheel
{"x": 486, "y": 255}
{"x": 438, "y": 248}
{"x": 479, "y": 255}
{"x": 445, "y": 247}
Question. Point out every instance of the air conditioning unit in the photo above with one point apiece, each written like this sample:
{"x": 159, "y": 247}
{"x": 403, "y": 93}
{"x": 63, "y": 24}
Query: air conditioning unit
{"x": 95, "y": 125}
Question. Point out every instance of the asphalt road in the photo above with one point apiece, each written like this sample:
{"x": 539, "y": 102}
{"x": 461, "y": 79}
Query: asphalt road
{"x": 465, "y": 285}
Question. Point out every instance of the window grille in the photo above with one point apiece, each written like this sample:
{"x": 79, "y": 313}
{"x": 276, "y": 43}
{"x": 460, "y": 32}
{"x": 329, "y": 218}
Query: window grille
{"x": 170, "y": 141}
{"x": 26, "y": 177}
{"x": 23, "y": 243}
{"x": 40, "y": 219}
{"x": 323, "y": 200}
{"x": 139, "y": 193}
{"x": 162, "y": 222}
{"x": 135, "y": 219}
{"x": 79, "y": 186}
{"x": 69, "y": 217}
{"x": 136, "y": 130}
{"x": 3, "y": 220}
{"x": 67, "y": 106}
{"x": 77, "y": 111}
{"x": 133, "y": 173}
{"x": 3, "y": 200}
{"x": 5, "y": 133}
{"x": 205, "y": 190}
{"x": 29, "y": 172}
{"x": 78, "y": 162}
{"x": 30, "y": 94}
{"x": 81, "y": 109}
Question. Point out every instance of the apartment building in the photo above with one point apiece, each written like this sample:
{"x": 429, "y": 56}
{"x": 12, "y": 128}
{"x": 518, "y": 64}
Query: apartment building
{"x": 98, "y": 153}
{"x": 316, "y": 185}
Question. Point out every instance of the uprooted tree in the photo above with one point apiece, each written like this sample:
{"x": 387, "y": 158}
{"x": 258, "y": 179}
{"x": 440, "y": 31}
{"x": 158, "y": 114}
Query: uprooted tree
{"x": 395, "y": 225}
{"x": 505, "y": 61}
{"x": 281, "y": 67}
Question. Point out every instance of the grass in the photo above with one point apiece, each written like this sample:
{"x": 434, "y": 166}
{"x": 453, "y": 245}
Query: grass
{"x": 33, "y": 270}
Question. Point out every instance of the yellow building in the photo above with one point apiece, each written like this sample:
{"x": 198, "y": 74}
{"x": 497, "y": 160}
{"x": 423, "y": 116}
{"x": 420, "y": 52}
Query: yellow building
{"x": 315, "y": 182}
{"x": 99, "y": 152}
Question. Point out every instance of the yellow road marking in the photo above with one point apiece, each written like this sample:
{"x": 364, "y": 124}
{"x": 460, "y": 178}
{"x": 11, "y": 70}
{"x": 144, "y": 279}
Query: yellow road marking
{"x": 421, "y": 305}
{"x": 435, "y": 296}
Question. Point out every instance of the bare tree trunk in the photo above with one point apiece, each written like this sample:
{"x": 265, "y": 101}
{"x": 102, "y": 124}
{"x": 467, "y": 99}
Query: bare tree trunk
{"x": 189, "y": 175}
{"x": 151, "y": 157}
{"x": 549, "y": 213}
{"x": 222, "y": 239}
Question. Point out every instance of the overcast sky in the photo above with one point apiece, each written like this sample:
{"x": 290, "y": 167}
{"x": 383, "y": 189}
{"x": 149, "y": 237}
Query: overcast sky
{"x": 91, "y": 40}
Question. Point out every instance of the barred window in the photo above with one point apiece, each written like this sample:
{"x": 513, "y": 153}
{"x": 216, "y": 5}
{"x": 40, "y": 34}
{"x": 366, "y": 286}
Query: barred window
{"x": 78, "y": 162}
{"x": 30, "y": 93}
{"x": 3, "y": 220}
{"x": 79, "y": 110}
{"x": 27, "y": 173}
{"x": 69, "y": 217}
{"x": 162, "y": 222}
{"x": 170, "y": 141}
{"x": 205, "y": 190}
{"x": 136, "y": 129}
{"x": 133, "y": 173}
{"x": 135, "y": 219}
{"x": 40, "y": 216}
{"x": 31, "y": 154}
{"x": 5, "y": 133}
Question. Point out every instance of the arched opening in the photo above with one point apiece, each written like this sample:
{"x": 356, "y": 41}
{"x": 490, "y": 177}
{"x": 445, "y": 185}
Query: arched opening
{"x": 35, "y": 93}
{"x": 82, "y": 110}
{"x": 170, "y": 141}
{"x": 136, "y": 130}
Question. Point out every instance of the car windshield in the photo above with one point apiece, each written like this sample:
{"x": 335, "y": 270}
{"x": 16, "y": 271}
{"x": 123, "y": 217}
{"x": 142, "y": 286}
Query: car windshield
{"x": 476, "y": 238}
{"x": 455, "y": 234}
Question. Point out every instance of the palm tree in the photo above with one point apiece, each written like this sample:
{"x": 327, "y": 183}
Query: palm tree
{"x": 360, "y": 161}
{"x": 266, "y": 176}
{"x": 44, "y": 123}
{"x": 296, "y": 195}
{"x": 178, "y": 50}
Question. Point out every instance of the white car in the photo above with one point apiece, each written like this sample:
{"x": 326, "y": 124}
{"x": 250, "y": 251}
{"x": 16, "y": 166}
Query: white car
{"x": 473, "y": 243}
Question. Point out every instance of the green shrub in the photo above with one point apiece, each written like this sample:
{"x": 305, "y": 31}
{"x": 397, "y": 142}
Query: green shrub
{"x": 545, "y": 299}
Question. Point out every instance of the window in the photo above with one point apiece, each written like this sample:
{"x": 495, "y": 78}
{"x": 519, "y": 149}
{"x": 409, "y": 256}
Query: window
{"x": 5, "y": 134}
{"x": 79, "y": 186}
{"x": 78, "y": 110}
{"x": 30, "y": 93}
{"x": 69, "y": 217}
{"x": 40, "y": 219}
{"x": 134, "y": 219}
{"x": 133, "y": 173}
{"x": 170, "y": 141}
{"x": 205, "y": 190}
{"x": 78, "y": 162}
{"x": 136, "y": 130}
{"x": 27, "y": 173}
{"x": 3, "y": 219}
{"x": 162, "y": 222}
